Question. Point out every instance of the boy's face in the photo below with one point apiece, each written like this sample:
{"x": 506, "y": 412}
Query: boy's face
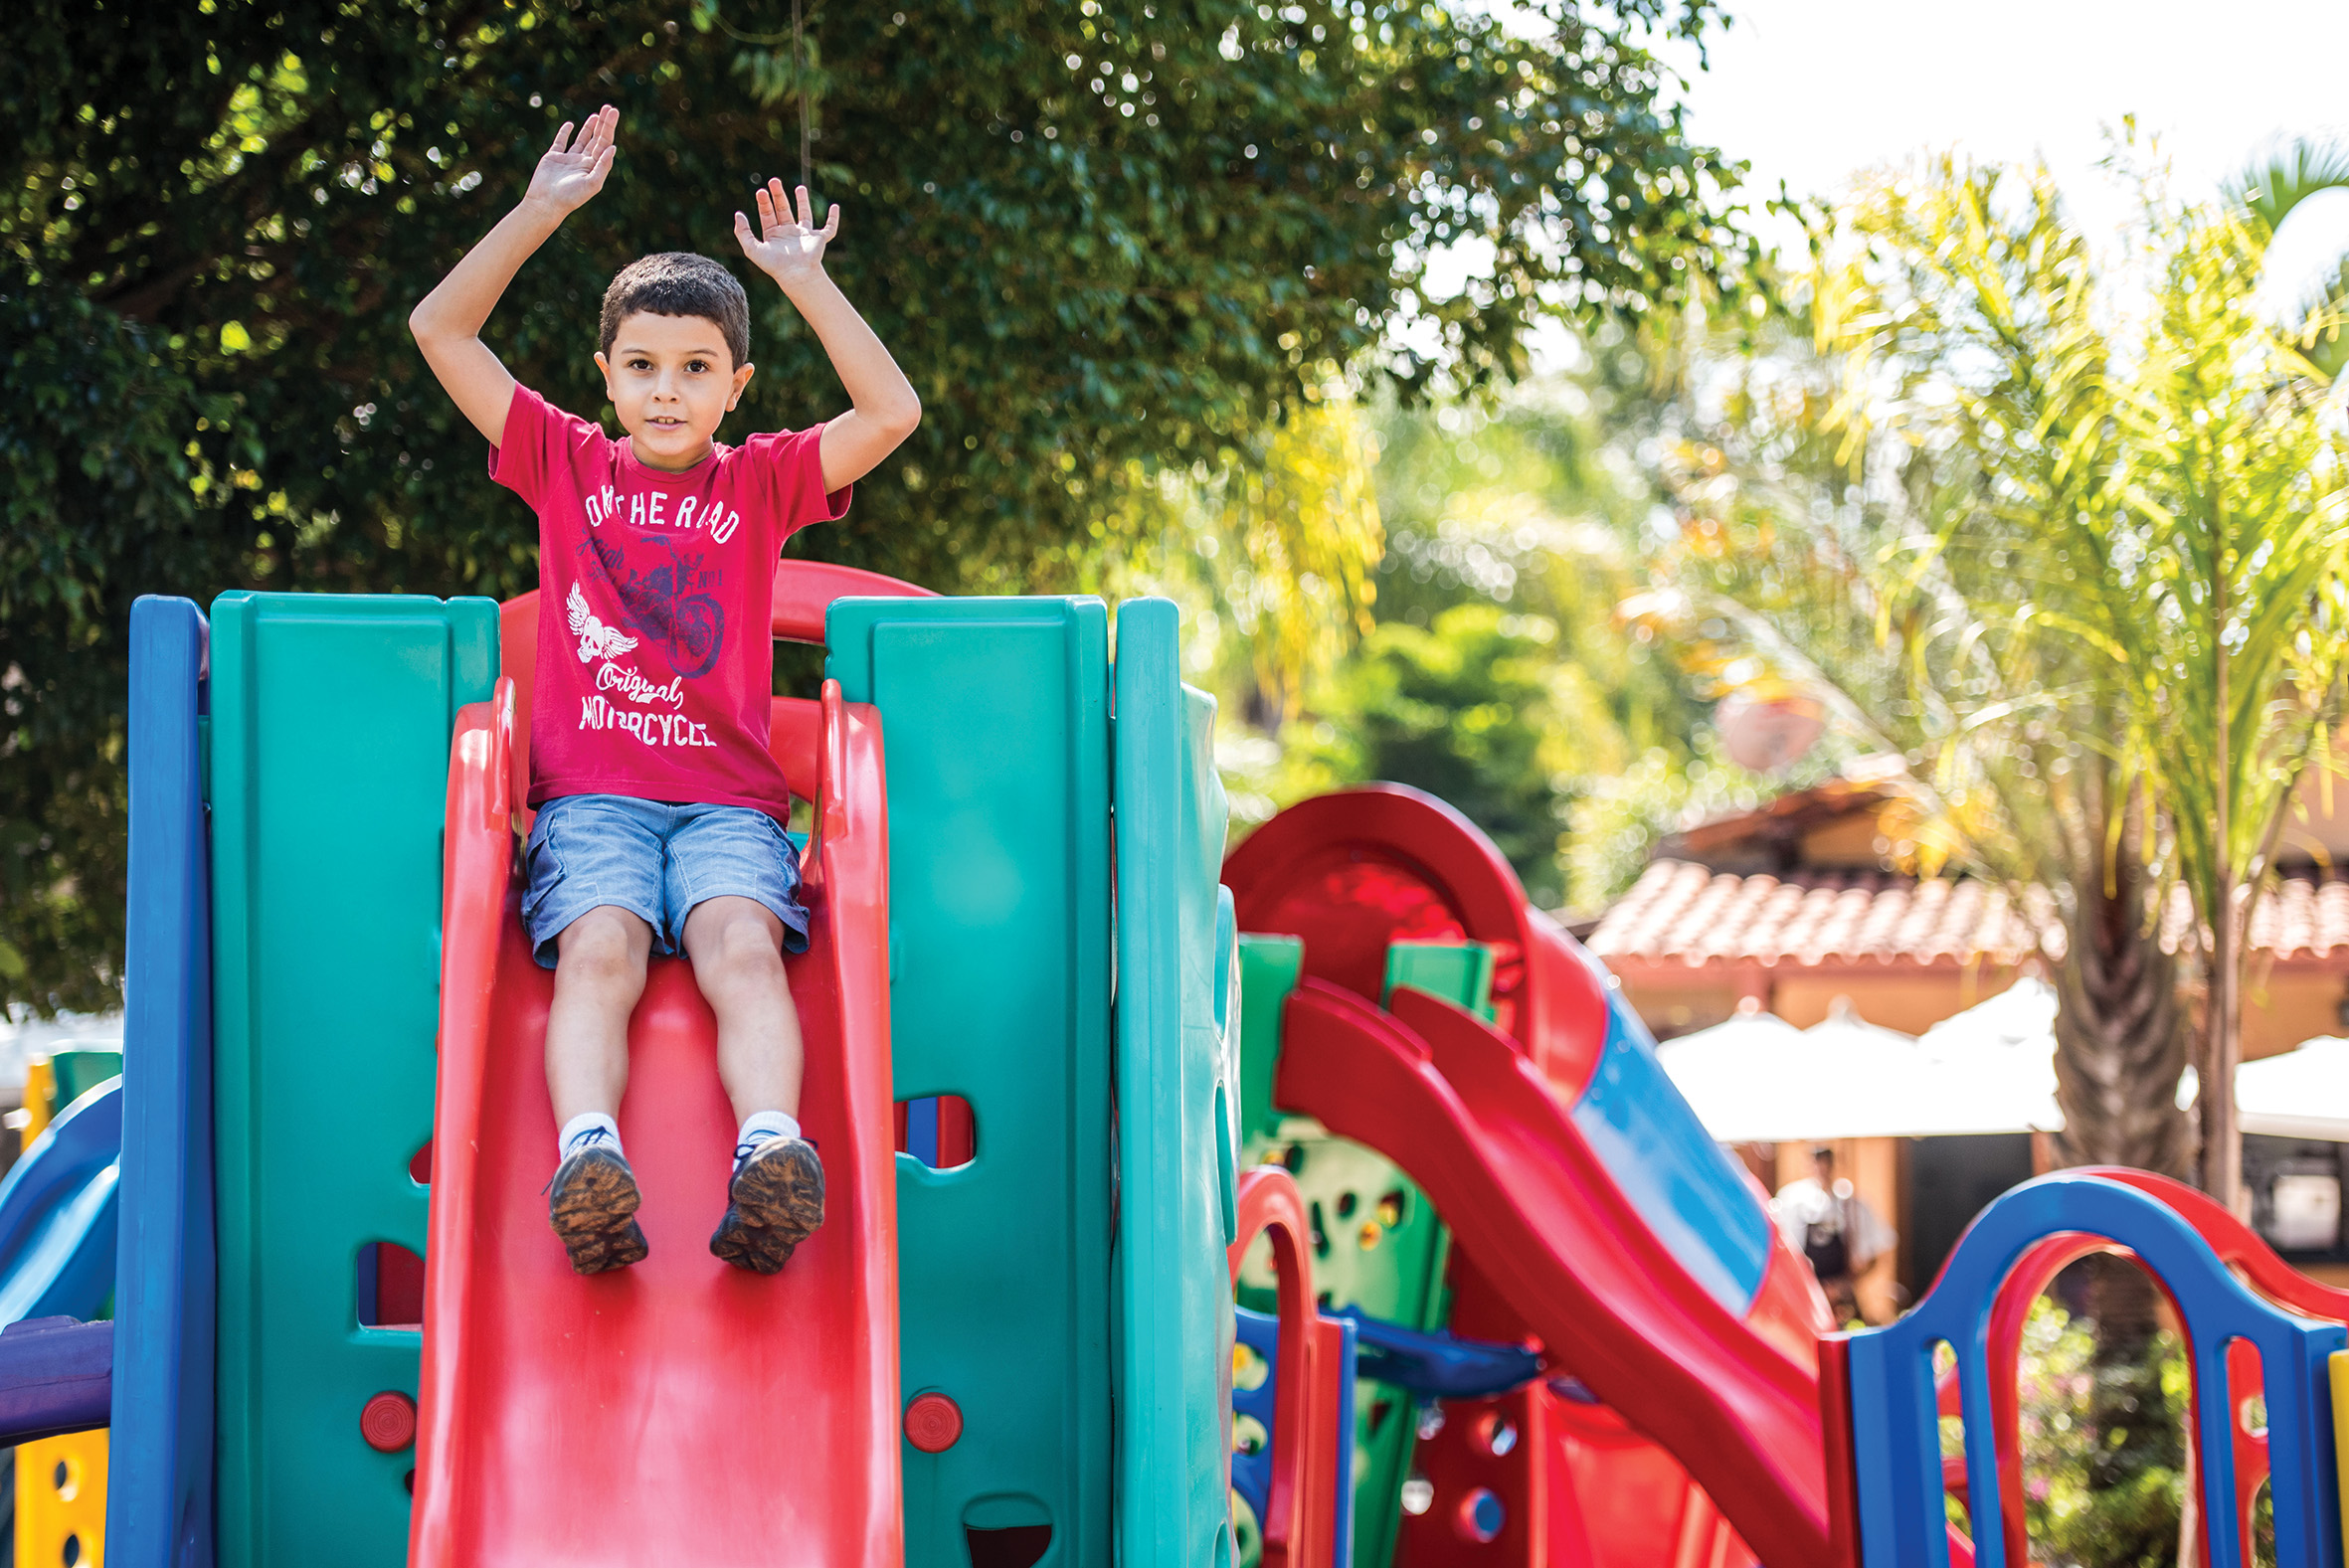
{"x": 673, "y": 381}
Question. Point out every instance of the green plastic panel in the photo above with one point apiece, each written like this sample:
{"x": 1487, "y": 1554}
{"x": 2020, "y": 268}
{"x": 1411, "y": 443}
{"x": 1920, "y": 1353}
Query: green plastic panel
{"x": 1177, "y": 1079}
{"x": 329, "y": 759}
{"x": 995, "y": 732}
{"x": 1461, "y": 972}
{"x": 1378, "y": 1244}
{"x": 78, "y": 1070}
{"x": 1269, "y": 967}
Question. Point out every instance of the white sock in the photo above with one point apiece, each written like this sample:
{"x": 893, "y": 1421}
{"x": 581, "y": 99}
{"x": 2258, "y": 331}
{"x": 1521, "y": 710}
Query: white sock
{"x": 764, "y": 1125}
{"x": 580, "y": 1128}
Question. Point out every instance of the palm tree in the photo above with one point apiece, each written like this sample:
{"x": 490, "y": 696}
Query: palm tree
{"x": 2085, "y": 571}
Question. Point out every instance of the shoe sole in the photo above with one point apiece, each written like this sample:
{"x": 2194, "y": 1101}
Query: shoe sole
{"x": 594, "y": 1213}
{"x": 777, "y": 1203}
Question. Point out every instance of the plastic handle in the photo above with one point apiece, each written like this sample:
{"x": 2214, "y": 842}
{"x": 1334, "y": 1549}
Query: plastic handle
{"x": 804, "y": 589}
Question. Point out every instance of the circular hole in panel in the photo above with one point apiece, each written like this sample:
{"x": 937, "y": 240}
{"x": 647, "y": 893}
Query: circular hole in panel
{"x": 1418, "y": 1495}
{"x": 65, "y": 1480}
{"x": 1390, "y": 1209}
{"x": 1294, "y": 1158}
{"x": 73, "y": 1552}
{"x": 1481, "y": 1516}
{"x": 1246, "y": 1532}
{"x": 1346, "y": 1204}
{"x": 1368, "y": 1235}
{"x": 1500, "y": 1434}
{"x": 1248, "y": 1436}
{"x": 1248, "y": 1368}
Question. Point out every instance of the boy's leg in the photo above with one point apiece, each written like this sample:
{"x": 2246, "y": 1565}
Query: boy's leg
{"x": 736, "y": 944}
{"x": 599, "y": 977}
{"x": 776, "y": 1191}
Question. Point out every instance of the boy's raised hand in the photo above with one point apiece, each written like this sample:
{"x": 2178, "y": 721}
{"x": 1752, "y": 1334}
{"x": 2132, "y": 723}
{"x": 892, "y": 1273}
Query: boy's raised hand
{"x": 573, "y": 171}
{"x": 788, "y": 248}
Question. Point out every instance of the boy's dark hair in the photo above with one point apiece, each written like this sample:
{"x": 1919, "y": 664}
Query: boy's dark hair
{"x": 680, "y": 284}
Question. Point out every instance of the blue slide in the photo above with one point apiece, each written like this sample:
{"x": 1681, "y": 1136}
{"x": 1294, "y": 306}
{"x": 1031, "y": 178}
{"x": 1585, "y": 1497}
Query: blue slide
{"x": 58, "y": 1213}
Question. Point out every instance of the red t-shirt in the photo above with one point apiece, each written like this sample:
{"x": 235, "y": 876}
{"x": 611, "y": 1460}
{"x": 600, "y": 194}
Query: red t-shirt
{"x": 655, "y": 596}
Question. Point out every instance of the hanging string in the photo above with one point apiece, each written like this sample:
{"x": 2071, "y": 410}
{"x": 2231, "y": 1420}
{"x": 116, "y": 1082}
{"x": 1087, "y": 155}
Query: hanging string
{"x": 800, "y": 85}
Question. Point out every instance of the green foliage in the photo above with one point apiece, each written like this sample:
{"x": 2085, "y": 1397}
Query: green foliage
{"x": 103, "y": 499}
{"x": 2100, "y": 1492}
{"x": 1102, "y": 239}
{"x": 1466, "y": 709}
{"x": 1539, "y": 504}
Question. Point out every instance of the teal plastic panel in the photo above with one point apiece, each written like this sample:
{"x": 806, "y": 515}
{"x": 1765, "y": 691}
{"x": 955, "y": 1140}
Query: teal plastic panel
{"x": 329, "y": 755}
{"x": 995, "y": 729}
{"x": 1177, "y": 1081}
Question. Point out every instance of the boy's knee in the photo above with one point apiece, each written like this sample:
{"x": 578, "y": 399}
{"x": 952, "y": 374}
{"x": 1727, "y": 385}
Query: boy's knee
{"x": 603, "y": 948}
{"x": 743, "y": 951}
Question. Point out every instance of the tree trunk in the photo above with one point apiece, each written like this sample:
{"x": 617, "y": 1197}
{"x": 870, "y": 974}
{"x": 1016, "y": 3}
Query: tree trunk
{"x": 2221, "y": 1054}
{"x": 2120, "y": 1034}
{"x": 2120, "y": 1048}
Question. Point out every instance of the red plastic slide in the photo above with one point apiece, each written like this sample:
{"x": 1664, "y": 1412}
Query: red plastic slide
{"x": 679, "y": 1411}
{"x": 1453, "y": 1103}
{"x": 1479, "y": 1116}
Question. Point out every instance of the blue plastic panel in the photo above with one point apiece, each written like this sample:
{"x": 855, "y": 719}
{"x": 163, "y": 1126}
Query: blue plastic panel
{"x": 159, "y": 1508}
{"x": 1684, "y": 1184}
{"x": 1177, "y": 1097}
{"x": 1251, "y": 1473}
{"x": 1896, "y": 1426}
{"x": 58, "y": 1214}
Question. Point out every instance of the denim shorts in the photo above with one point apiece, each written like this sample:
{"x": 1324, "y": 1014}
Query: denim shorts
{"x": 656, "y": 860}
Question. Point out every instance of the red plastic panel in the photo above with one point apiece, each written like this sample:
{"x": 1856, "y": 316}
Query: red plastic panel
{"x": 1843, "y": 1481}
{"x": 1490, "y": 1506}
{"x": 602, "y": 1420}
{"x": 1312, "y": 1396}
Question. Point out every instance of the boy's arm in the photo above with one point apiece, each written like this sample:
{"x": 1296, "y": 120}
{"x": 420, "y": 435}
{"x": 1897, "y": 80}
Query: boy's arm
{"x": 883, "y": 405}
{"x": 447, "y": 323}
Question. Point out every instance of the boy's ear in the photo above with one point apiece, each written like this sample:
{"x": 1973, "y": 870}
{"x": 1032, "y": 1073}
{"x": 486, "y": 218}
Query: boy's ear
{"x": 605, "y": 366}
{"x": 742, "y": 379}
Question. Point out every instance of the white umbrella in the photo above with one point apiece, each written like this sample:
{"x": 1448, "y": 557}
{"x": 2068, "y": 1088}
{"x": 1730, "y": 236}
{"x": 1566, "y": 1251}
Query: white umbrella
{"x": 1758, "y": 1079}
{"x": 2303, "y": 1093}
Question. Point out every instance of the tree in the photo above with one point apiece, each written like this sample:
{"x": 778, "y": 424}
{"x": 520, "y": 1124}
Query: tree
{"x": 2084, "y": 570}
{"x": 1099, "y": 235}
{"x": 1466, "y": 709}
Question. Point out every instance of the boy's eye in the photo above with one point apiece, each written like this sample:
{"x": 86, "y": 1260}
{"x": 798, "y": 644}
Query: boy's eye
{"x": 640, "y": 363}
{"x": 697, "y": 365}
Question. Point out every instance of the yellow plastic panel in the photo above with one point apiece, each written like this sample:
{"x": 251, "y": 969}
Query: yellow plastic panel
{"x": 61, "y": 1501}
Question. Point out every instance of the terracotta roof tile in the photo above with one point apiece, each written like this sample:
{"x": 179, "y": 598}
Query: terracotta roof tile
{"x": 1682, "y": 912}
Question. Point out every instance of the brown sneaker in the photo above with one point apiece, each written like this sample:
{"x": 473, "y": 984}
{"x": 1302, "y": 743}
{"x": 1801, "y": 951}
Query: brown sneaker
{"x": 776, "y": 1203}
{"x": 593, "y": 1204}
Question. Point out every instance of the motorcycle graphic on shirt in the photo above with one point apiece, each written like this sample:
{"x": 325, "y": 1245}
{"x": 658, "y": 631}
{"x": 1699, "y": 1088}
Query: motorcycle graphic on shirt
{"x": 688, "y": 628}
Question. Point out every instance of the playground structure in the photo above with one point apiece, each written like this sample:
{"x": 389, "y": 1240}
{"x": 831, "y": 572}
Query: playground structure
{"x": 1322, "y": 1205}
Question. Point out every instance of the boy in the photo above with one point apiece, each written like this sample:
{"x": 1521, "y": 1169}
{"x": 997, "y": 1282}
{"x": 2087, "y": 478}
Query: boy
{"x": 661, "y": 814}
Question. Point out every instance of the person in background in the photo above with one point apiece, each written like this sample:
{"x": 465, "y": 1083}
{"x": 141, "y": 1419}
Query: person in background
{"x": 1822, "y": 1218}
